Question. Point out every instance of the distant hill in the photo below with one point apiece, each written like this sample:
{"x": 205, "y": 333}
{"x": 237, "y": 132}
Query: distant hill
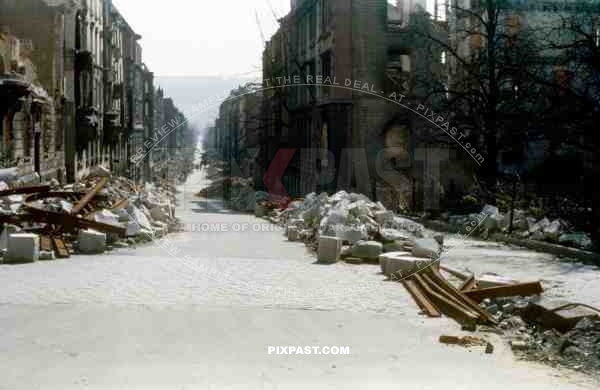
{"x": 190, "y": 92}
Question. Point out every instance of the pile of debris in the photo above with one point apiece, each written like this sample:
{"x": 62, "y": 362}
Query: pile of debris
{"x": 351, "y": 227}
{"x": 237, "y": 192}
{"x": 99, "y": 213}
{"x": 540, "y": 329}
{"x": 490, "y": 221}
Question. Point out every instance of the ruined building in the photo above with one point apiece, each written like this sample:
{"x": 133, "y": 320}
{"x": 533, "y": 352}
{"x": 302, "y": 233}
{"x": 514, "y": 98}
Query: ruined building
{"x": 74, "y": 92}
{"x": 364, "y": 58}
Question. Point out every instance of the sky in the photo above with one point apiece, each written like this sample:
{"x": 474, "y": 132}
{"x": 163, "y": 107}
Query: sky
{"x": 203, "y": 37}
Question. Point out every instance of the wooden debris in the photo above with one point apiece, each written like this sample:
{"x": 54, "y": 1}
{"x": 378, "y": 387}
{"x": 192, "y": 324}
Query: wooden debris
{"x": 25, "y": 190}
{"x": 61, "y": 249}
{"x": 466, "y": 341}
{"x": 447, "y": 306}
{"x": 456, "y": 273}
{"x": 521, "y": 289}
{"x": 421, "y": 299}
{"x": 46, "y": 243}
{"x": 484, "y": 315}
{"x": 557, "y": 314}
{"x": 468, "y": 284}
{"x": 120, "y": 205}
{"x": 89, "y": 196}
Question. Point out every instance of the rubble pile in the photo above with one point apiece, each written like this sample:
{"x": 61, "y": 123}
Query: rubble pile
{"x": 237, "y": 192}
{"x": 359, "y": 229}
{"x": 490, "y": 220}
{"x": 538, "y": 329}
{"x": 99, "y": 213}
{"x": 578, "y": 349}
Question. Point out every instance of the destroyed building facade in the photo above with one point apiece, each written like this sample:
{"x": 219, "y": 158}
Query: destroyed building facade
{"x": 75, "y": 93}
{"x": 338, "y": 80}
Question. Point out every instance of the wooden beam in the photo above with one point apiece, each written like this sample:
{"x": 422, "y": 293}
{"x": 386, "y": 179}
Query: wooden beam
{"x": 468, "y": 284}
{"x": 122, "y": 204}
{"x": 438, "y": 289}
{"x": 437, "y": 276}
{"x": 61, "y": 249}
{"x": 421, "y": 299}
{"x": 89, "y": 196}
{"x": 65, "y": 221}
{"x": 447, "y": 307}
{"x": 45, "y": 243}
{"x": 520, "y": 289}
{"x": 456, "y": 273}
{"x": 25, "y": 190}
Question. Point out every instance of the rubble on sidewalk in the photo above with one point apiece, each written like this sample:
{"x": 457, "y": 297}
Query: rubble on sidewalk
{"x": 366, "y": 226}
{"x": 556, "y": 332}
{"x": 98, "y": 208}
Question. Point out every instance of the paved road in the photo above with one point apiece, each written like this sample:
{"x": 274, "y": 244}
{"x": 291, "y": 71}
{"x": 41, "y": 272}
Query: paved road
{"x": 200, "y": 310}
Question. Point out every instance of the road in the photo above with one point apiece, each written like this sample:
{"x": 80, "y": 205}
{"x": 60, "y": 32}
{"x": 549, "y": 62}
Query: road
{"x": 200, "y": 311}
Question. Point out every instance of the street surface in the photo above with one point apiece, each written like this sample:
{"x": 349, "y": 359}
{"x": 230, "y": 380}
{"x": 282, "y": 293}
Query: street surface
{"x": 200, "y": 310}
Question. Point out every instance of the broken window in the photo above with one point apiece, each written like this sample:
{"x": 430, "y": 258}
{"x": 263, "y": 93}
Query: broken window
{"x": 399, "y": 67}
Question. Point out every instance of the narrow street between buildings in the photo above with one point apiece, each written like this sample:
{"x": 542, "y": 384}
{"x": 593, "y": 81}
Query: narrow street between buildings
{"x": 208, "y": 308}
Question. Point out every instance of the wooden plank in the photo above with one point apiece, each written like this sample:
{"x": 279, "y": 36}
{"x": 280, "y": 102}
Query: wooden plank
{"x": 61, "y": 249}
{"x": 421, "y": 299}
{"x": 435, "y": 287}
{"x": 46, "y": 243}
{"x": 468, "y": 284}
{"x": 447, "y": 307}
{"x": 65, "y": 221}
{"x": 521, "y": 289}
{"x": 456, "y": 273}
{"x": 487, "y": 317}
{"x": 25, "y": 190}
{"x": 89, "y": 196}
{"x": 122, "y": 204}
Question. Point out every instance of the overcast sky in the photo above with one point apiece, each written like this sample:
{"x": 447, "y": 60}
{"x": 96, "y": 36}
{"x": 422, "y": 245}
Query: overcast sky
{"x": 202, "y": 37}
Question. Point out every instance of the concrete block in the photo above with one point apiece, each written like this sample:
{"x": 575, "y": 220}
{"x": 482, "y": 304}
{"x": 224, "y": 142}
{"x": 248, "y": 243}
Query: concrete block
{"x": 47, "y": 256}
{"x": 91, "y": 241}
{"x": 293, "y": 234}
{"x": 386, "y": 256}
{"x": 427, "y": 248}
{"x": 159, "y": 214}
{"x": 23, "y": 248}
{"x": 401, "y": 264}
{"x": 352, "y": 234}
{"x": 133, "y": 229}
{"x": 491, "y": 280}
{"x": 7, "y": 231}
{"x": 368, "y": 250}
{"x": 383, "y": 217}
{"x": 330, "y": 249}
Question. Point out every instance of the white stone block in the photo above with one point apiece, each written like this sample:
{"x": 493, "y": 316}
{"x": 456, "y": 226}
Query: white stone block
{"x": 133, "y": 229}
{"x": 401, "y": 265}
{"x": 293, "y": 234}
{"x": 384, "y": 216}
{"x": 427, "y": 248}
{"x": 369, "y": 250}
{"x": 352, "y": 234}
{"x": 47, "y": 256}
{"x": 330, "y": 249}
{"x": 23, "y": 248}
{"x": 383, "y": 259}
{"x": 91, "y": 241}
